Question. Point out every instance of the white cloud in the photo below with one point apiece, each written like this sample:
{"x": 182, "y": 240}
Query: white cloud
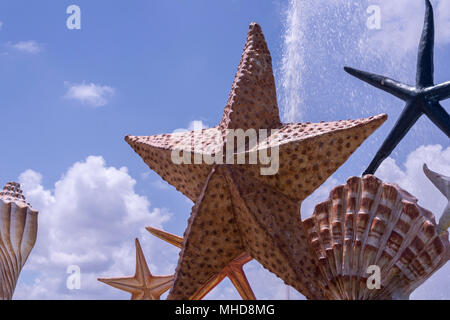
{"x": 402, "y": 22}
{"x": 1, "y": 25}
{"x": 90, "y": 94}
{"x": 89, "y": 219}
{"x": 197, "y": 125}
{"x": 31, "y": 47}
{"x": 443, "y": 21}
{"x": 413, "y": 180}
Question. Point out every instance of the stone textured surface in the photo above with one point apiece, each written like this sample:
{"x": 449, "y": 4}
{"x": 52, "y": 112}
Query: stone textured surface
{"x": 143, "y": 285}
{"x": 443, "y": 184}
{"x": 233, "y": 271}
{"x": 367, "y": 222}
{"x": 18, "y": 231}
{"x": 236, "y": 208}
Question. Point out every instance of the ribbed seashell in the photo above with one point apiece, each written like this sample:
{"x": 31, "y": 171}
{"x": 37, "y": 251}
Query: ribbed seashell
{"x": 18, "y": 231}
{"x": 370, "y": 223}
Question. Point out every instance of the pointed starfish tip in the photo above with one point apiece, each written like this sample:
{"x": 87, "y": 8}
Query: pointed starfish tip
{"x": 425, "y": 63}
{"x": 105, "y": 281}
{"x": 255, "y": 26}
{"x": 357, "y": 73}
{"x": 254, "y": 79}
{"x": 348, "y": 69}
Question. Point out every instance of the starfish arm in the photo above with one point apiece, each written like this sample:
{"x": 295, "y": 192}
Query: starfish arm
{"x": 270, "y": 222}
{"x": 238, "y": 278}
{"x": 308, "y": 154}
{"x": 244, "y": 258}
{"x": 407, "y": 119}
{"x": 438, "y": 116}
{"x": 211, "y": 241}
{"x": 208, "y": 286}
{"x": 143, "y": 285}
{"x": 173, "y": 157}
{"x": 128, "y": 284}
{"x": 396, "y": 88}
{"x": 253, "y": 99}
{"x": 440, "y": 92}
{"x": 425, "y": 63}
{"x": 167, "y": 237}
{"x": 240, "y": 261}
{"x": 159, "y": 285}
{"x": 143, "y": 273}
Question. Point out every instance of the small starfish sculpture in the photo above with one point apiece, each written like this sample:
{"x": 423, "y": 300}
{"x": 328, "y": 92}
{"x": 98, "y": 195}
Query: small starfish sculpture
{"x": 443, "y": 184}
{"x": 240, "y": 207}
{"x": 143, "y": 285}
{"x": 234, "y": 271}
{"x": 422, "y": 99}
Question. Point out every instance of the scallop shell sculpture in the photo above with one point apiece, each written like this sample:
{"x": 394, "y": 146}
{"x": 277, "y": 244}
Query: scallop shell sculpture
{"x": 370, "y": 223}
{"x": 18, "y": 231}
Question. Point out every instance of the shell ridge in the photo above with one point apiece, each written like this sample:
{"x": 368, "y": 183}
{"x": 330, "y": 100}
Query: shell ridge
{"x": 353, "y": 266}
{"x": 368, "y": 222}
{"x": 5, "y": 239}
{"x": 424, "y": 263}
{"x": 17, "y": 226}
{"x": 391, "y": 222}
{"x": 336, "y": 228}
{"x": 364, "y": 255}
{"x": 381, "y": 227}
{"x": 316, "y": 245}
{"x": 7, "y": 277}
{"x": 30, "y": 234}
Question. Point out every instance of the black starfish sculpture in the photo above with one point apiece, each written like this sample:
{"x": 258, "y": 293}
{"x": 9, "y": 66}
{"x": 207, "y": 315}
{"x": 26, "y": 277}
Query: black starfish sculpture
{"x": 422, "y": 99}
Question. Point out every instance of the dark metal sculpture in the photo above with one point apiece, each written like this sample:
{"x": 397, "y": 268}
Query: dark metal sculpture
{"x": 422, "y": 99}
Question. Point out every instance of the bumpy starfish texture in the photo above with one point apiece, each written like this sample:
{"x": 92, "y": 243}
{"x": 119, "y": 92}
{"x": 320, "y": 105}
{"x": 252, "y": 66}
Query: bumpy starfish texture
{"x": 237, "y": 207}
{"x": 443, "y": 184}
{"x": 422, "y": 99}
{"x": 234, "y": 271}
{"x": 143, "y": 285}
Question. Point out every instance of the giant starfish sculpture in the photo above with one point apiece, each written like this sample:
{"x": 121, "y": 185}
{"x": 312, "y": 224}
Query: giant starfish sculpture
{"x": 234, "y": 271}
{"x": 237, "y": 207}
{"x": 143, "y": 285}
{"x": 422, "y": 99}
{"x": 443, "y": 184}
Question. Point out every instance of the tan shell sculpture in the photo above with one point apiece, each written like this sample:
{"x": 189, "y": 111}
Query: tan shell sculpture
{"x": 370, "y": 223}
{"x": 18, "y": 231}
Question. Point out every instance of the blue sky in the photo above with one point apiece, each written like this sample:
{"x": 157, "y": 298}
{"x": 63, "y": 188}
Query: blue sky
{"x": 68, "y": 98}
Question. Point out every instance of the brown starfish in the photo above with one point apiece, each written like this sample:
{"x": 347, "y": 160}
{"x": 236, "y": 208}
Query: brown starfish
{"x": 234, "y": 271}
{"x": 143, "y": 285}
{"x": 250, "y": 207}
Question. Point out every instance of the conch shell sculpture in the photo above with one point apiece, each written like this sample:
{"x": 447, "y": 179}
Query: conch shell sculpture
{"x": 370, "y": 223}
{"x": 18, "y": 231}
